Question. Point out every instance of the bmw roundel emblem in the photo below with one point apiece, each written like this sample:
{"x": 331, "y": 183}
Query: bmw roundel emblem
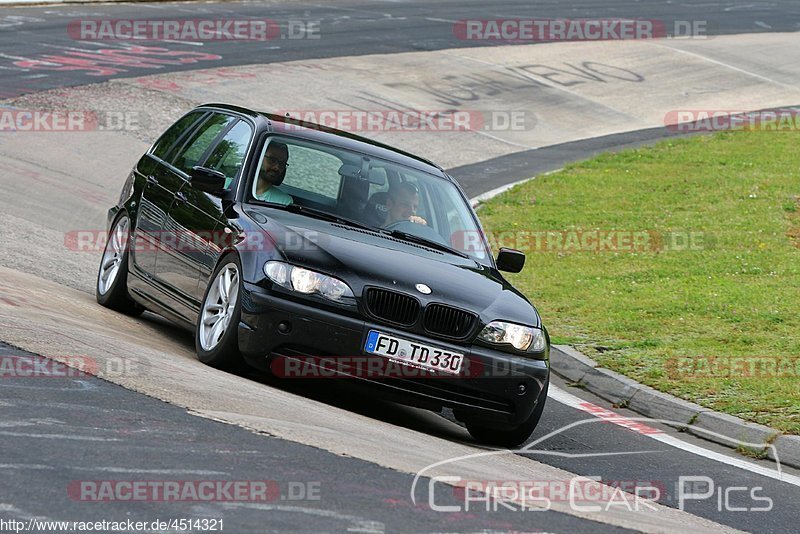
{"x": 422, "y": 288}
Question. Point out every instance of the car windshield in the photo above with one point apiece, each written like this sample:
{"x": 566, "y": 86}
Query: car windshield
{"x": 368, "y": 192}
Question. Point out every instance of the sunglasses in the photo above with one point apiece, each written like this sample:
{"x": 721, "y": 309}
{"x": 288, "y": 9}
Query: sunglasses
{"x": 275, "y": 161}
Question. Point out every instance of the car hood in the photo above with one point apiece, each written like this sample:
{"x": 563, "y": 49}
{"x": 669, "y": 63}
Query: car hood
{"x": 364, "y": 258}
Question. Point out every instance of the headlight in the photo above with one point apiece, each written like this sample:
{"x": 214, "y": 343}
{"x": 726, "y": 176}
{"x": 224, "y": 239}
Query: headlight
{"x": 518, "y": 336}
{"x": 278, "y": 272}
{"x": 307, "y": 281}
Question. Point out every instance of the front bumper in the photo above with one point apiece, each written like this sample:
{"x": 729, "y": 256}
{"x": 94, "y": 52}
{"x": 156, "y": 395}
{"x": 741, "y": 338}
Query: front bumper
{"x": 495, "y": 388}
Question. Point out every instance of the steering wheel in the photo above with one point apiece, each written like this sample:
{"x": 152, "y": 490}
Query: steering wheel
{"x": 394, "y": 225}
{"x": 420, "y": 230}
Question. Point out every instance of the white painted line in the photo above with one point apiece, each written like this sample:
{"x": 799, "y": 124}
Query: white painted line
{"x": 56, "y": 436}
{"x": 740, "y": 7}
{"x": 18, "y": 58}
{"x": 726, "y": 65}
{"x": 27, "y": 466}
{"x": 434, "y": 19}
{"x": 483, "y": 197}
{"x": 193, "y": 43}
{"x": 13, "y": 424}
{"x": 506, "y": 141}
{"x": 198, "y": 472}
{"x": 635, "y": 423}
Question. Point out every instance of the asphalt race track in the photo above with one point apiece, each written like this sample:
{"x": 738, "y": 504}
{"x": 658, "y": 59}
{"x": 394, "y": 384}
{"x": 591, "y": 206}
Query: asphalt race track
{"x": 352, "y": 28}
{"x": 335, "y": 459}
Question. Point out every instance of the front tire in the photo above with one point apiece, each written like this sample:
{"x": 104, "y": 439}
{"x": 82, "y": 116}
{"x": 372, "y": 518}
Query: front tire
{"x": 515, "y": 436}
{"x": 216, "y": 333}
{"x": 111, "y": 289}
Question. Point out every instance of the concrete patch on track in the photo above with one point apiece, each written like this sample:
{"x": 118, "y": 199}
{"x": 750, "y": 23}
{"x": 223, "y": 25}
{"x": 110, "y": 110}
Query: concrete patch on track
{"x": 515, "y": 97}
{"x": 511, "y": 98}
{"x": 49, "y": 319}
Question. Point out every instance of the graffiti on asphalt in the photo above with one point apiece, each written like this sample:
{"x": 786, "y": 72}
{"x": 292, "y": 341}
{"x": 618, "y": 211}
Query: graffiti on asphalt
{"x": 456, "y": 90}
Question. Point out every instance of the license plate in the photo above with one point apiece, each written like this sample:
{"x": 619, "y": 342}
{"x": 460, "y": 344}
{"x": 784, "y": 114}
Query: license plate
{"x": 416, "y": 354}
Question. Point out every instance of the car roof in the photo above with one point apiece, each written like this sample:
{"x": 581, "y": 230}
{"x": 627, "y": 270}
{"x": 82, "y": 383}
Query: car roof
{"x": 323, "y": 134}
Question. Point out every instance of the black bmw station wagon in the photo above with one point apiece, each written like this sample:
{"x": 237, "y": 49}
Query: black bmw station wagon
{"x": 295, "y": 248}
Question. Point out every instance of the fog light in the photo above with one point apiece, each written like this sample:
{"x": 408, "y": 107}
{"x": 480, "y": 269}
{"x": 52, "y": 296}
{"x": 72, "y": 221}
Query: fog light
{"x": 522, "y": 389}
{"x": 284, "y": 327}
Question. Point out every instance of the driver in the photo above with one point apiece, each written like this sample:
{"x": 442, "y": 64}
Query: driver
{"x": 402, "y": 204}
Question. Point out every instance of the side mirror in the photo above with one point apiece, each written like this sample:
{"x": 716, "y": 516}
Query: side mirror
{"x": 208, "y": 180}
{"x": 510, "y": 260}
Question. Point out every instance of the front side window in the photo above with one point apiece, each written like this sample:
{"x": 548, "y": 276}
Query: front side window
{"x": 370, "y": 191}
{"x": 307, "y": 165}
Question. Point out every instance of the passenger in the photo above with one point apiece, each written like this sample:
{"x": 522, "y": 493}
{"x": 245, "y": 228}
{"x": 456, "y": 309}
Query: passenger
{"x": 272, "y": 173}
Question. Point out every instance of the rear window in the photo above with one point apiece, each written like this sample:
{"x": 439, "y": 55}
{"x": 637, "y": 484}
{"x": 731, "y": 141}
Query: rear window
{"x": 168, "y": 139}
{"x": 192, "y": 152}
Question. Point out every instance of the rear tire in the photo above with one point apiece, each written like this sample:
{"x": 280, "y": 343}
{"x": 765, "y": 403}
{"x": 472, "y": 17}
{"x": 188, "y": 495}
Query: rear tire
{"x": 111, "y": 289}
{"x": 216, "y": 335}
{"x": 515, "y": 436}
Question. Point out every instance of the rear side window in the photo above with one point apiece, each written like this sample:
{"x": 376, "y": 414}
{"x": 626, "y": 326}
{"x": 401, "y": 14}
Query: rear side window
{"x": 175, "y": 131}
{"x": 228, "y": 156}
{"x": 194, "y": 149}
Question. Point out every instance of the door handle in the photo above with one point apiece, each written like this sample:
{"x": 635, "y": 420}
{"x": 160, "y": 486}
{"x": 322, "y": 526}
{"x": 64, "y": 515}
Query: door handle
{"x": 180, "y": 197}
{"x": 152, "y": 180}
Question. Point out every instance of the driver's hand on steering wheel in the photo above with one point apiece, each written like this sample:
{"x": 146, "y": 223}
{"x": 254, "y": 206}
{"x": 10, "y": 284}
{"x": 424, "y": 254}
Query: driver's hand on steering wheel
{"x": 417, "y": 219}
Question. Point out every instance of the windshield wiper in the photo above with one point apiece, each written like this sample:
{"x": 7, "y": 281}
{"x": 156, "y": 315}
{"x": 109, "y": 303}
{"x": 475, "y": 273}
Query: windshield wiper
{"x": 427, "y": 242}
{"x": 324, "y": 215}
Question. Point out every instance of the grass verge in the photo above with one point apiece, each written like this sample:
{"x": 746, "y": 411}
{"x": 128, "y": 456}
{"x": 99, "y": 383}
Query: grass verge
{"x": 677, "y": 265}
